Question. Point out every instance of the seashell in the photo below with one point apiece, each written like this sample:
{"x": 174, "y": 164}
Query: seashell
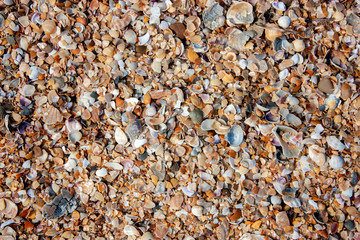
{"x": 279, "y": 6}
{"x": 53, "y": 97}
{"x": 24, "y": 21}
{"x": 335, "y": 143}
{"x": 235, "y": 136}
{"x": 28, "y": 90}
{"x": 240, "y": 13}
{"x": 284, "y": 21}
{"x": 196, "y": 115}
{"x": 147, "y": 236}
{"x": 213, "y": 16}
{"x": 220, "y": 128}
{"x": 339, "y": 60}
{"x": 188, "y": 192}
{"x": 325, "y": 85}
{"x": 113, "y": 165}
{"x": 272, "y": 32}
{"x": 336, "y": 162}
{"x": 293, "y": 120}
{"x": 133, "y": 129}
{"x": 271, "y": 118}
{"x": 238, "y": 39}
{"x": 144, "y": 39}
{"x": 265, "y": 129}
{"x": 130, "y": 36}
{"x": 317, "y": 154}
{"x": 73, "y": 125}
{"x": 52, "y": 116}
{"x": 197, "y": 211}
{"x": 49, "y": 27}
{"x": 248, "y": 163}
{"x": 290, "y": 141}
{"x": 118, "y": 24}
{"x": 75, "y": 136}
{"x": 102, "y": 172}
{"x": 127, "y": 163}
{"x": 332, "y": 101}
{"x": 208, "y": 124}
{"x": 131, "y": 231}
{"x": 139, "y": 142}
{"x": 8, "y": 208}
{"x": 318, "y": 129}
{"x": 150, "y": 111}
{"x": 299, "y": 45}
{"x": 2, "y": 21}
{"x": 120, "y": 136}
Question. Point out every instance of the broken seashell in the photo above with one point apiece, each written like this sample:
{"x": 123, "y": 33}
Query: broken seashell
{"x": 8, "y": 208}
{"x": 208, "y": 124}
{"x": 290, "y": 141}
{"x": 75, "y": 136}
{"x": 235, "y": 136}
{"x": 335, "y": 143}
{"x": 72, "y": 125}
{"x": 240, "y": 13}
{"x": 213, "y": 16}
{"x": 317, "y": 154}
{"x": 299, "y": 45}
{"x": 49, "y": 27}
{"x": 120, "y": 136}
{"x": 102, "y": 172}
{"x": 139, "y": 142}
{"x": 144, "y": 39}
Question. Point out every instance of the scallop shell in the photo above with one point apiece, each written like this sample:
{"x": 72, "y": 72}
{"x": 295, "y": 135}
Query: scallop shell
{"x": 52, "y": 116}
{"x": 290, "y": 141}
{"x": 240, "y": 13}
{"x": 235, "y": 136}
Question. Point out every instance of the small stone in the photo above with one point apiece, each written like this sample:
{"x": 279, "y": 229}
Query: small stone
{"x": 213, "y": 16}
{"x": 350, "y": 225}
{"x": 325, "y": 85}
{"x": 336, "y": 162}
{"x": 197, "y": 115}
{"x": 282, "y": 220}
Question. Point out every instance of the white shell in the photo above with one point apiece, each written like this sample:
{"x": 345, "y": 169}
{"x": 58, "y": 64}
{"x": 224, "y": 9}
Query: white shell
{"x": 131, "y": 231}
{"x": 130, "y": 36}
{"x": 120, "y": 136}
{"x": 336, "y": 162}
{"x": 147, "y": 236}
{"x": 317, "y": 154}
{"x": 114, "y": 165}
{"x": 208, "y": 124}
{"x": 102, "y": 172}
{"x": 139, "y": 142}
{"x": 75, "y": 136}
{"x": 335, "y": 143}
{"x": 144, "y": 39}
{"x": 197, "y": 211}
{"x": 284, "y": 21}
{"x": 240, "y": 13}
{"x": 235, "y": 136}
{"x": 28, "y": 90}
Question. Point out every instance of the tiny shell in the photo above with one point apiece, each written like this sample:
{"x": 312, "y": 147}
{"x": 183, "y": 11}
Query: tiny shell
{"x": 284, "y": 21}
{"x": 197, "y": 211}
{"x": 139, "y": 142}
{"x": 240, "y": 13}
{"x": 120, "y": 136}
{"x": 49, "y": 27}
{"x": 28, "y": 90}
{"x": 144, "y": 39}
{"x": 208, "y": 124}
{"x": 336, "y": 162}
{"x": 279, "y": 6}
{"x": 131, "y": 231}
{"x": 147, "y": 236}
{"x": 10, "y": 209}
{"x": 317, "y": 154}
{"x": 130, "y": 36}
{"x": 102, "y": 172}
{"x": 290, "y": 141}
{"x": 235, "y": 136}
{"x": 299, "y": 45}
{"x": 75, "y": 136}
{"x": 72, "y": 125}
{"x": 335, "y": 143}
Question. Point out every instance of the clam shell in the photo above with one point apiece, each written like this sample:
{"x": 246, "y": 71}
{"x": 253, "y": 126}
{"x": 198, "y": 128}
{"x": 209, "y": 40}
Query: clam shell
{"x": 284, "y": 21}
{"x": 240, "y": 13}
{"x": 336, "y": 162}
{"x": 235, "y": 136}
{"x": 208, "y": 124}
